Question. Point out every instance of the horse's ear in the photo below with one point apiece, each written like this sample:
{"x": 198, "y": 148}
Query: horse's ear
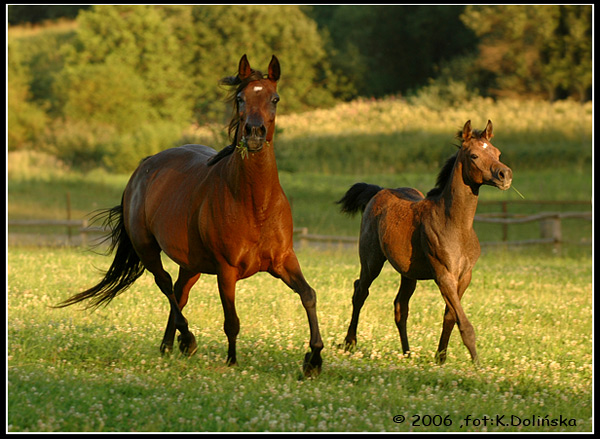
{"x": 488, "y": 130}
{"x": 274, "y": 69}
{"x": 467, "y": 131}
{"x": 244, "y": 69}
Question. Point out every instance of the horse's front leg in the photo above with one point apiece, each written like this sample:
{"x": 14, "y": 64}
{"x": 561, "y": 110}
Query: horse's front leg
{"x": 226, "y": 280}
{"x": 291, "y": 274}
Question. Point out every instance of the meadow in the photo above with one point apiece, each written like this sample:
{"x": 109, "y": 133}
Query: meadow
{"x": 75, "y": 370}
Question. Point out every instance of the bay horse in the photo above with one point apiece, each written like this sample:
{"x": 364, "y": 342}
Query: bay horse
{"x": 427, "y": 237}
{"x": 219, "y": 213}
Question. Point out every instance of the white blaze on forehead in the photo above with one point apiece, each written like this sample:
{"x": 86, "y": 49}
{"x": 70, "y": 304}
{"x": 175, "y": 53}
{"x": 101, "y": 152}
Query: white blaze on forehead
{"x": 257, "y": 88}
{"x": 485, "y": 145}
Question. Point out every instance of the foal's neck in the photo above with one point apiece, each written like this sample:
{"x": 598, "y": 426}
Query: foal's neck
{"x": 459, "y": 199}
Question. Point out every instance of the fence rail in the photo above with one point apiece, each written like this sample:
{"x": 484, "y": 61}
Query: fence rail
{"x": 550, "y": 227}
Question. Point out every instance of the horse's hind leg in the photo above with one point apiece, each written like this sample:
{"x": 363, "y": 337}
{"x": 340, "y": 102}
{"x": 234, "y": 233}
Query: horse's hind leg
{"x": 184, "y": 283}
{"x": 407, "y": 288}
{"x": 372, "y": 261}
{"x": 150, "y": 256}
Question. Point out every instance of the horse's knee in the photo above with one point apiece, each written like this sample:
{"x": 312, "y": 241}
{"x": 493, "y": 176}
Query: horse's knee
{"x": 232, "y": 327}
{"x": 309, "y": 298}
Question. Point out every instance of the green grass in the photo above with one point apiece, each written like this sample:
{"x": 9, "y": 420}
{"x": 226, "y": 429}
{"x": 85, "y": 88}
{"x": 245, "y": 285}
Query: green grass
{"x": 73, "y": 370}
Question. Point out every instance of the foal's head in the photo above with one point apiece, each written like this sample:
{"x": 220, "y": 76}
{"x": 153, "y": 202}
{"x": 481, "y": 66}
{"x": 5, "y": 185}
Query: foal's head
{"x": 255, "y": 102}
{"x": 481, "y": 160}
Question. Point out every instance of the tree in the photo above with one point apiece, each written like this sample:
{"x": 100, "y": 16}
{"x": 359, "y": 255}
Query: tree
{"x": 393, "y": 49}
{"x": 220, "y": 35}
{"x": 533, "y": 50}
{"x": 26, "y": 120}
{"x": 126, "y": 67}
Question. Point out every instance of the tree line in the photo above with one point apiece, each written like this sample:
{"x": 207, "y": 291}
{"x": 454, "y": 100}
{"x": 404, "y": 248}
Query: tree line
{"x": 139, "y": 73}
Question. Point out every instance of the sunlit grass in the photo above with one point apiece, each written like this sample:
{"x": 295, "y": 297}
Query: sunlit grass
{"x": 73, "y": 370}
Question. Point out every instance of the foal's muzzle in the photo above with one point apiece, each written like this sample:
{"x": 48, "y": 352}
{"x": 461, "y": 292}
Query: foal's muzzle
{"x": 502, "y": 177}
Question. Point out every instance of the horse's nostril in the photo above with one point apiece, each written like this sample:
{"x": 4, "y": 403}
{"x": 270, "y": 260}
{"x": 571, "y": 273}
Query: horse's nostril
{"x": 255, "y": 131}
{"x": 501, "y": 175}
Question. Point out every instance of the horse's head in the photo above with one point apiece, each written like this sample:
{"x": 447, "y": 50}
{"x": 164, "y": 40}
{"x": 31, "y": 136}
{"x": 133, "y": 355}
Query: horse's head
{"x": 481, "y": 160}
{"x": 255, "y": 104}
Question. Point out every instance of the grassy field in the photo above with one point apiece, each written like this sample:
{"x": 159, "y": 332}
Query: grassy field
{"x": 73, "y": 370}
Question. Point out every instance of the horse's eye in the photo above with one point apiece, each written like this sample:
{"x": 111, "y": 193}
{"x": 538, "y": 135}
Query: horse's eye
{"x": 275, "y": 99}
{"x": 474, "y": 156}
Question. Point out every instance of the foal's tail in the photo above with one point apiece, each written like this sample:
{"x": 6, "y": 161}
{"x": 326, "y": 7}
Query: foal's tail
{"x": 124, "y": 270}
{"x": 357, "y": 197}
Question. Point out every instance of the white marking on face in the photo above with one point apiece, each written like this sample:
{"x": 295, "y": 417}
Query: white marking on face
{"x": 485, "y": 145}
{"x": 257, "y": 88}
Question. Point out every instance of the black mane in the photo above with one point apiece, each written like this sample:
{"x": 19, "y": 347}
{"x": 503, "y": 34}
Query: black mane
{"x": 236, "y": 85}
{"x": 443, "y": 177}
{"x": 446, "y": 171}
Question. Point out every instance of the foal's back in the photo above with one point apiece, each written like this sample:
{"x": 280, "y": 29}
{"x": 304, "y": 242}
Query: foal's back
{"x": 394, "y": 220}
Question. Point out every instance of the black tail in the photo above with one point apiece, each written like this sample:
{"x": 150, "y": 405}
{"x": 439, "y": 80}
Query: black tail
{"x": 124, "y": 270}
{"x": 357, "y": 197}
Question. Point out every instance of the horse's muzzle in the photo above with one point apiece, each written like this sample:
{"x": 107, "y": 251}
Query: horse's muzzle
{"x": 255, "y": 137}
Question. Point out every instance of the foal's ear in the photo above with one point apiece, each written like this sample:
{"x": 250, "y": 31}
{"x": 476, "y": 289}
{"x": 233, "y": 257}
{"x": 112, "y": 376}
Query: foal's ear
{"x": 488, "y": 130}
{"x": 244, "y": 69}
{"x": 274, "y": 69}
{"x": 467, "y": 132}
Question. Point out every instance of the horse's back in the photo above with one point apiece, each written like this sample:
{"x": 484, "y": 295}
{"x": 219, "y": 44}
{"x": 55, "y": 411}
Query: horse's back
{"x": 161, "y": 193}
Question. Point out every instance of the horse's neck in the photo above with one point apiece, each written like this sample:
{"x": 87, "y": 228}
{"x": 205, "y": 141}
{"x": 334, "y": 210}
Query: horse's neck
{"x": 254, "y": 177}
{"x": 459, "y": 200}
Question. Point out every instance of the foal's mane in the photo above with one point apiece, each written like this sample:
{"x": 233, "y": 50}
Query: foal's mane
{"x": 236, "y": 85}
{"x": 444, "y": 176}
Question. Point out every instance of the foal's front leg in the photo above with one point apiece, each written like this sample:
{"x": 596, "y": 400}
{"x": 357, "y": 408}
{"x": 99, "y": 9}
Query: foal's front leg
{"x": 452, "y": 292}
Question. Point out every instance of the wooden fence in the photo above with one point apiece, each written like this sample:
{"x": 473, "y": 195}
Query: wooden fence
{"x": 550, "y": 227}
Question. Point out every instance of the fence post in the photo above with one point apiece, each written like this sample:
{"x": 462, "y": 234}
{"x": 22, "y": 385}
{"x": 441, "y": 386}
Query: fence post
{"x": 303, "y": 233}
{"x": 69, "y": 217}
{"x": 84, "y": 225}
{"x": 550, "y": 228}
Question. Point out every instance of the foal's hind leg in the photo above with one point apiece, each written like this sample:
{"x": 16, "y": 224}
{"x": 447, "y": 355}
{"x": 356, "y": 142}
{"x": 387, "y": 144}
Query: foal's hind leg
{"x": 185, "y": 282}
{"x": 407, "y": 288}
{"x": 371, "y": 263}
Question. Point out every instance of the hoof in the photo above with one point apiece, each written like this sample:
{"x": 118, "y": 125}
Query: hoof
{"x": 440, "y": 357}
{"x": 187, "y": 344}
{"x": 311, "y": 367}
{"x": 348, "y": 345}
{"x": 231, "y": 362}
{"x": 166, "y": 349}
